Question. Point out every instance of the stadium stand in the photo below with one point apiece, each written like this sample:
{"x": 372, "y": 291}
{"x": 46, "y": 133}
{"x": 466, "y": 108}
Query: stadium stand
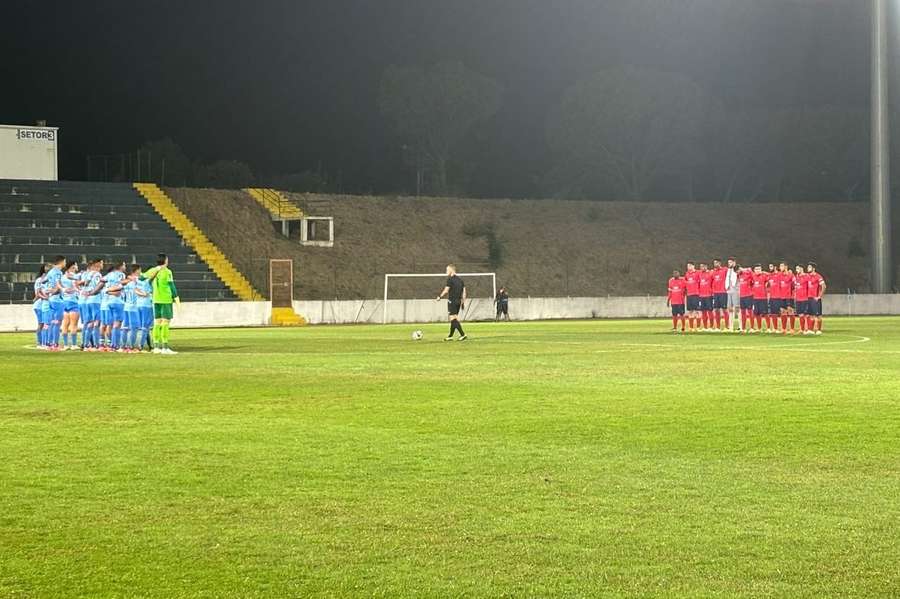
{"x": 39, "y": 219}
{"x": 205, "y": 248}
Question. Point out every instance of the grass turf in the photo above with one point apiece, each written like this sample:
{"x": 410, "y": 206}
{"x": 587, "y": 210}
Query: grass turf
{"x": 539, "y": 459}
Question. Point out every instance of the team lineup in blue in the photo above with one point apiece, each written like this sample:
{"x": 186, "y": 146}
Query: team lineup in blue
{"x": 124, "y": 310}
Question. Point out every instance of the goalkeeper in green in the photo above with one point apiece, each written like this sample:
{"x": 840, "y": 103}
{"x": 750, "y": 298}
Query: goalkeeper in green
{"x": 164, "y": 294}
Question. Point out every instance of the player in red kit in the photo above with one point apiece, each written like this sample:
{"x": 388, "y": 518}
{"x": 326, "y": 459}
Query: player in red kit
{"x": 816, "y": 285}
{"x": 785, "y": 292}
{"x": 692, "y": 288}
{"x": 801, "y": 299}
{"x": 706, "y": 296}
{"x": 720, "y": 296}
{"x": 745, "y": 285}
{"x": 676, "y": 298}
{"x": 759, "y": 284}
{"x": 773, "y": 307}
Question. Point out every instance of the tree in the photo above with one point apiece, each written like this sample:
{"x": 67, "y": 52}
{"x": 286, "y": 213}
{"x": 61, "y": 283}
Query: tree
{"x": 302, "y": 182}
{"x": 622, "y": 130}
{"x": 167, "y": 161}
{"x": 828, "y": 154}
{"x": 745, "y": 153}
{"x": 434, "y": 109}
{"x": 224, "y": 174}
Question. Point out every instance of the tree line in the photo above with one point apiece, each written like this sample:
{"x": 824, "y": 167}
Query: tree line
{"x": 625, "y": 133}
{"x": 639, "y": 134}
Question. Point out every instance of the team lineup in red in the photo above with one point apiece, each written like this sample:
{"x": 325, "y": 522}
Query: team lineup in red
{"x": 747, "y": 300}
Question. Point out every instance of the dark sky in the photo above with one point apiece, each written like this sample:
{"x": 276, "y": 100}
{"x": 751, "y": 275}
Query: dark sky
{"x": 289, "y": 85}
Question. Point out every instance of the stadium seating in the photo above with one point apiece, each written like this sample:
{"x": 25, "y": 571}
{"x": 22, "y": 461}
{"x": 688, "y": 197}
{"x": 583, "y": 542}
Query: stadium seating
{"x": 206, "y": 249}
{"x": 40, "y": 219}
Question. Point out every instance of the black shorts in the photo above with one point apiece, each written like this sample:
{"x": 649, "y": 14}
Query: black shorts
{"x": 802, "y": 307}
{"x": 706, "y": 304}
{"x": 720, "y": 301}
{"x": 693, "y": 303}
{"x": 775, "y": 306}
{"x": 747, "y": 303}
{"x": 815, "y": 307}
{"x": 677, "y": 309}
{"x": 788, "y": 304}
{"x": 453, "y": 308}
{"x": 760, "y": 307}
{"x": 502, "y": 308}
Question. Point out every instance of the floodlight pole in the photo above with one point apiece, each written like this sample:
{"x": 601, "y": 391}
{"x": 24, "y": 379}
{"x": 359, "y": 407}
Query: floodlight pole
{"x": 882, "y": 271}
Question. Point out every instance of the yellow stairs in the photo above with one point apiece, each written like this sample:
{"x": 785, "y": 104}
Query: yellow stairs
{"x": 205, "y": 248}
{"x": 279, "y": 206}
{"x": 286, "y": 317}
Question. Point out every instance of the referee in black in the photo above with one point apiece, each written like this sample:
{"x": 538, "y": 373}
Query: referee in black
{"x": 455, "y": 290}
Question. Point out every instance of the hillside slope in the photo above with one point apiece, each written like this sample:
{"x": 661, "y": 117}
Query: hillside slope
{"x": 548, "y": 248}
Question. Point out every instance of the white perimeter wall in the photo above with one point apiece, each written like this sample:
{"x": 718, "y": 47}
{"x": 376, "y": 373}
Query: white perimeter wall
{"x": 28, "y": 152}
{"x": 249, "y": 314}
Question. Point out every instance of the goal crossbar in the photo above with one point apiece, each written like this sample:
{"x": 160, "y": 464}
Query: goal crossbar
{"x": 390, "y": 276}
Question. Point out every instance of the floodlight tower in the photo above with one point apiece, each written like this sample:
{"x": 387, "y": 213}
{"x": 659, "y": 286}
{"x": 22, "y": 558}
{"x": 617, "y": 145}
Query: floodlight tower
{"x": 882, "y": 271}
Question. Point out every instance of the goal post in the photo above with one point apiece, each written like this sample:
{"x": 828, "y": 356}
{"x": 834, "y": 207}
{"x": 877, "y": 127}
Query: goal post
{"x": 388, "y": 277}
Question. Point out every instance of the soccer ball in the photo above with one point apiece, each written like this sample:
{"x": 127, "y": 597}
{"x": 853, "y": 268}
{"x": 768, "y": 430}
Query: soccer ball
{"x": 417, "y": 335}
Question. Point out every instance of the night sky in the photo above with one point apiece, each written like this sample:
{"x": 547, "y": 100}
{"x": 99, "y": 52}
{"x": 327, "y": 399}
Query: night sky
{"x": 289, "y": 86}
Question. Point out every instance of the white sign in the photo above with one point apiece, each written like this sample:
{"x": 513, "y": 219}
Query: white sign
{"x": 28, "y": 152}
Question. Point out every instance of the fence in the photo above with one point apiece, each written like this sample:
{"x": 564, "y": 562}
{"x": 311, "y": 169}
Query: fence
{"x": 236, "y": 314}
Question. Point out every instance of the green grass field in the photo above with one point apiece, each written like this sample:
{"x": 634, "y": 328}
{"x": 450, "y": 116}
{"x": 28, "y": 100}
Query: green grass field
{"x": 540, "y": 459}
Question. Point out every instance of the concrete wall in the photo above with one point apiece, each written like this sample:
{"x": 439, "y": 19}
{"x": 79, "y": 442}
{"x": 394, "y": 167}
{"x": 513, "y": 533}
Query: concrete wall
{"x": 251, "y": 314}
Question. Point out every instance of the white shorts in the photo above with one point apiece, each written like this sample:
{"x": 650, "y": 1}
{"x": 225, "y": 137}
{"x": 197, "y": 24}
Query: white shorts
{"x": 734, "y": 300}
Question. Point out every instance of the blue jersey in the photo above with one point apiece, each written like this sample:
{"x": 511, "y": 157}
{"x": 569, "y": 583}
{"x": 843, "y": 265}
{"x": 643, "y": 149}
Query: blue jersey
{"x": 38, "y": 285}
{"x": 113, "y": 279}
{"x": 68, "y": 288}
{"x": 130, "y": 297}
{"x": 92, "y": 283}
{"x": 83, "y": 278}
{"x": 51, "y": 280}
{"x": 146, "y": 287}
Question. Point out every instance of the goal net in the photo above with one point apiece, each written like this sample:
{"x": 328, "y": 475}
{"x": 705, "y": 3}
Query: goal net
{"x": 401, "y": 288}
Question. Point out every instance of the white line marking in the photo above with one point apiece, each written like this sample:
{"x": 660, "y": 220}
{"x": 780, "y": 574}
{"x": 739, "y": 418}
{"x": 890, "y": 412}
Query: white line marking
{"x": 802, "y": 346}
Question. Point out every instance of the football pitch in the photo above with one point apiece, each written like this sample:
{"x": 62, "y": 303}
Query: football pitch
{"x": 600, "y": 458}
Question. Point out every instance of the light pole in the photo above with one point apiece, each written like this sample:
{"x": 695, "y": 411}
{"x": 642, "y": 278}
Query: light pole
{"x": 882, "y": 271}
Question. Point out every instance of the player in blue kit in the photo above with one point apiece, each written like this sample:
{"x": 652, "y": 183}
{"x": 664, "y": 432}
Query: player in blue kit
{"x": 91, "y": 290}
{"x": 83, "y": 277}
{"x": 131, "y": 322}
{"x": 144, "y": 292}
{"x": 113, "y": 283}
{"x": 38, "y": 306}
{"x": 69, "y": 291}
{"x": 53, "y": 308}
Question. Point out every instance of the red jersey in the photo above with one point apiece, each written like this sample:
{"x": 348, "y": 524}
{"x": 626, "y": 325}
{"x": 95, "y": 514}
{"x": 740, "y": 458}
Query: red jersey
{"x": 801, "y": 288}
{"x": 759, "y": 286}
{"x": 677, "y": 291}
{"x": 718, "y": 280}
{"x": 692, "y": 282}
{"x": 815, "y": 282}
{"x": 705, "y": 283}
{"x": 785, "y": 285}
{"x": 745, "y": 282}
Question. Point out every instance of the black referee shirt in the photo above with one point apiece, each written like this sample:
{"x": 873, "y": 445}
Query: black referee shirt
{"x": 456, "y": 286}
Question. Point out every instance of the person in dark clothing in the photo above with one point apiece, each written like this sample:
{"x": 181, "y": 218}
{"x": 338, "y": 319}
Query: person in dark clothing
{"x": 455, "y": 291}
{"x": 502, "y": 301}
